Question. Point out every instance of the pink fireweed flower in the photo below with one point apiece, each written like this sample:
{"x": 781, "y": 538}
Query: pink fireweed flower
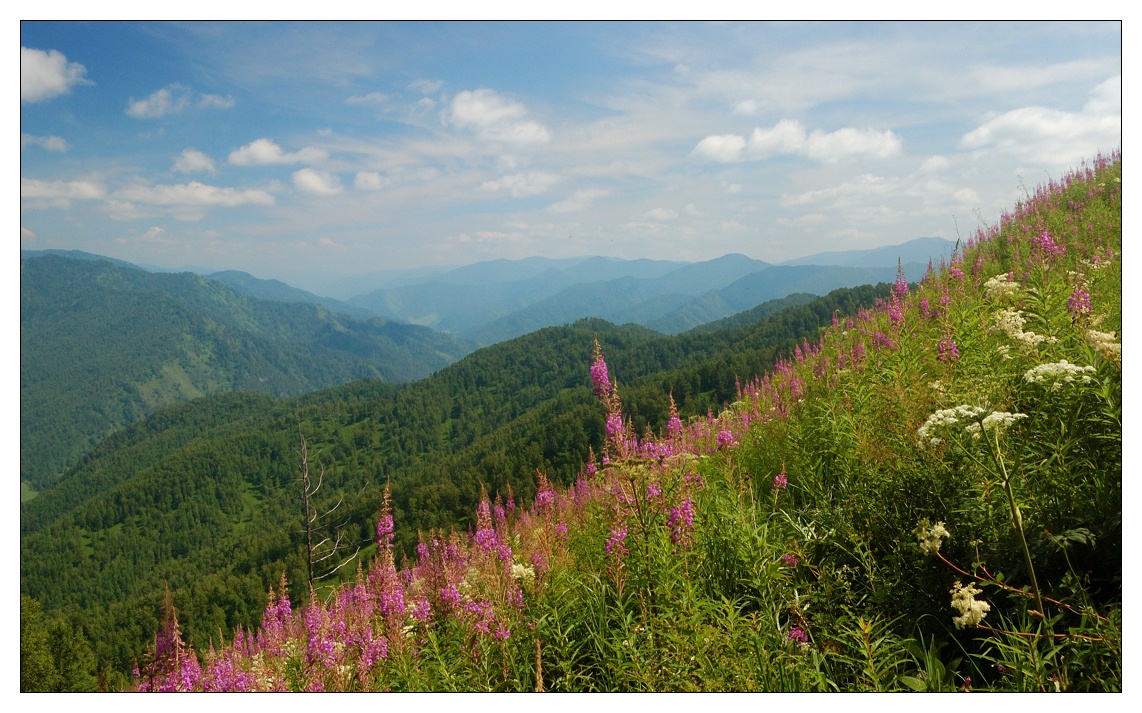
{"x": 900, "y": 286}
{"x": 616, "y": 543}
{"x": 681, "y": 523}
{"x": 614, "y": 424}
{"x": 1047, "y": 246}
{"x": 725, "y": 439}
{"x": 1078, "y": 304}
{"x": 599, "y": 375}
{"x": 385, "y": 522}
{"x": 653, "y": 490}
{"x": 789, "y": 560}
{"x": 797, "y": 635}
{"x": 947, "y": 350}
{"x": 780, "y": 481}
{"x": 895, "y": 314}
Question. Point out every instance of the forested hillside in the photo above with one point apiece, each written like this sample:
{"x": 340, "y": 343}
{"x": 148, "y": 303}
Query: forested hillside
{"x": 205, "y": 496}
{"x": 102, "y": 345}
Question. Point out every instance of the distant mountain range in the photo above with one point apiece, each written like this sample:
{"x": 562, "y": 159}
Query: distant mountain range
{"x": 493, "y": 301}
{"x": 104, "y": 343}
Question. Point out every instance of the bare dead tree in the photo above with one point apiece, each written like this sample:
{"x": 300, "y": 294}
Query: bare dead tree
{"x": 325, "y": 557}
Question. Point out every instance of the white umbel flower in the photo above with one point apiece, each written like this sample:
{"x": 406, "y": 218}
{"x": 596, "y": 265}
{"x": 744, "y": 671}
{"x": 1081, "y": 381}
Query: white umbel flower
{"x": 971, "y": 611}
{"x": 1058, "y": 373}
{"x": 947, "y": 417}
{"x": 1011, "y": 321}
{"x": 930, "y": 537}
{"x": 523, "y": 573}
{"x": 1105, "y": 345}
{"x": 1000, "y": 286}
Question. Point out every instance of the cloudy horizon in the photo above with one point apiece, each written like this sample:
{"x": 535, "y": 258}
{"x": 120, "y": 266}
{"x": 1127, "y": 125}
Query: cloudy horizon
{"x": 301, "y": 151}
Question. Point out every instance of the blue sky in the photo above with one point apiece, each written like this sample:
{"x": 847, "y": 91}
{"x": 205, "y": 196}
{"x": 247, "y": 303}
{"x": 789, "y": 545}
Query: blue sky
{"x": 305, "y": 151}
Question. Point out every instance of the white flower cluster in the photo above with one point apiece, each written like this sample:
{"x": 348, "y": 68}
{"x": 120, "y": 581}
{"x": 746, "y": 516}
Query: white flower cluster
{"x": 1105, "y": 345}
{"x": 1000, "y": 286}
{"x": 1058, "y": 373}
{"x": 930, "y": 537}
{"x": 995, "y": 420}
{"x": 947, "y": 417}
{"x": 1011, "y": 321}
{"x": 963, "y": 601}
{"x": 523, "y": 573}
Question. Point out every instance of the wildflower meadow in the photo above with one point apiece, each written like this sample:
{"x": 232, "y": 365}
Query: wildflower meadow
{"x": 926, "y": 498}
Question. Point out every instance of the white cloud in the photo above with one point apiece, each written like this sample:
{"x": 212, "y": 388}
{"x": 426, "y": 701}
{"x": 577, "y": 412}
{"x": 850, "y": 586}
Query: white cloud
{"x": 522, "y": 184}
{"x": 368, "y": 181}
{"x": 495, "y": 118}
{"x": 59, "y": 193}
{"x": 319, "y": 183}
{"x": 216, "y": 101}
{"x": 174, "y": 99}
{"x": 499, "y": 236}
{"x": 847, "y": 194}
{"x": 370, "y": 98}
{"x": 787, "y": 136}
{"x": 193, "y": 194}
{"x": 49, "y": 143}
{"x": 933, "y": 164}
{"x": 192, "y": 161}
{"x": 27, "y": 235}
{"x": 44, "y": 75}
{"x": 662, "y": 214}
{"x": 264, "y": 152}
{"x": 159, "y": 104}
{"x": 850, "y": 142}
{"x": 579, "y": 200}
{"x": 1051, "y": 136}
{"x": 426, "y": 86}
{"x": 748, "y": 107}
{"x": 723, "y": 148}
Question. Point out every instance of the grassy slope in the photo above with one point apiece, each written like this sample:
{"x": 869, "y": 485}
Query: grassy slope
{"x": 789, "y": 544}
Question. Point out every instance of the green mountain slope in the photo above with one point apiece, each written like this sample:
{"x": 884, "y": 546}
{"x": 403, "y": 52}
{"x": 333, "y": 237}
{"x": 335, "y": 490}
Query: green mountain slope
{"x": 211, "y": 505}
{"x": 101, "y": 345}
{"x": 925, "y": 497}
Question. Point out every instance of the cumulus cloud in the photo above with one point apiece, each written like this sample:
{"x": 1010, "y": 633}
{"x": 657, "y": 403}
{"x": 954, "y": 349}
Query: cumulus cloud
{"x": 319, "y": 183}
{"x": 48, "y": 143}
{"x": 723, "y": 148}
{"x": 192, "y": 161}
{"x": 26, "y": 235}
{"x": 159, "y": 104}
{"x": 786, "y": 137}
{"x": 174, "y": 99}
{"x": 789, "y": 137}
{"x": 579, "y": 200}
{"x": 264, "y": 152}
{"x": 58, "y": 194}
{"x": 368, "y": 181}
{"x": 1053, "y": 136}
{"x": 522, "y": 184}
{"x": 44, "y": 75}
{"x": 662, "y": 214}
{"x": 370, "y": 98}
{"x": 850, "y": 142}
{"x": 495, "y": 118}
{"x": 215, "y": 101}
{"x": 426, "y": 86}
{"x": 193, "y": 194}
